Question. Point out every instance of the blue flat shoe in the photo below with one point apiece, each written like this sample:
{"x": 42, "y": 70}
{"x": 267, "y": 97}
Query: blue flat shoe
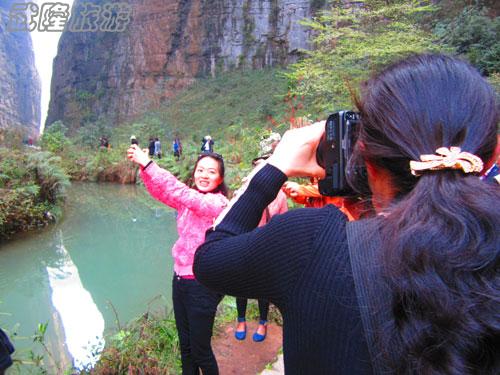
{"x": 257, "y": 337}
{"x": 241, "y": 335}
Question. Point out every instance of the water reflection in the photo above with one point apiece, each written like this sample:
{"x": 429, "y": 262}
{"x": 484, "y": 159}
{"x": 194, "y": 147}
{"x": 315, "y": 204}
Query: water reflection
{"x": 82, "y": 321}
{"x": 96, "y": 256}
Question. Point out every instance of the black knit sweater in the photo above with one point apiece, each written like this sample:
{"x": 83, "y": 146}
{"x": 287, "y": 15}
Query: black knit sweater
{"x": 300, "y": 262}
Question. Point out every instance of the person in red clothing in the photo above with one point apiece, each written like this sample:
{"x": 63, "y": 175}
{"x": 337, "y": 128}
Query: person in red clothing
{"x": 309, "y": 196}
{"x": 198, "y": 206}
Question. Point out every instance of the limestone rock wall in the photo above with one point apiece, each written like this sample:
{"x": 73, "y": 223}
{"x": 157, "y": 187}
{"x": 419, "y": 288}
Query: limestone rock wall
{"x": 164, "y": 48}
{"x": 19, "y": 82}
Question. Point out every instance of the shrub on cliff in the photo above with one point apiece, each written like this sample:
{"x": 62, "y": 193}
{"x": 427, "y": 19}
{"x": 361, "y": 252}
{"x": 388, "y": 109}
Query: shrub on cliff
{"x": 351, "y": 41}
{"x": 12, "y": 138}
{"x": 474, "y": 35}
{"x": 32, "y": 188}
{"x": 48, "y": 175}
{"x": 54, "y": 138}
{"x": 111, "y": 166}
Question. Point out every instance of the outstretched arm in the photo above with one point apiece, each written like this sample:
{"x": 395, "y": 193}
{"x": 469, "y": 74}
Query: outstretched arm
{"x": 165, "y": 187}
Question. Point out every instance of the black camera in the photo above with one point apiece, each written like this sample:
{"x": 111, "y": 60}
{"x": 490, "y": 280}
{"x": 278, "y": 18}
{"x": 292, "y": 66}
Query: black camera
{"x": 334, "y": 154}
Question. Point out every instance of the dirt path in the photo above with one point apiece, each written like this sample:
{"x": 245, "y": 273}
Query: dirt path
{"x": 246, "y": 357}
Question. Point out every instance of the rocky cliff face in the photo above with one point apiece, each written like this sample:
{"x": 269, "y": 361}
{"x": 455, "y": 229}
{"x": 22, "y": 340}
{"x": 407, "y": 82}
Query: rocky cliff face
{"x": 166, "y": 45}
{"x": 19, "y": 82}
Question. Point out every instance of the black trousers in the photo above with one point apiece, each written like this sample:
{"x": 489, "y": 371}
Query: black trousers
{"x": 241, "y": 306}
{"x": 194, "y": 309}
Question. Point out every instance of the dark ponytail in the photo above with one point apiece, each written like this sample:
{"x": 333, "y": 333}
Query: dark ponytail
{"x": 441, "y": 242}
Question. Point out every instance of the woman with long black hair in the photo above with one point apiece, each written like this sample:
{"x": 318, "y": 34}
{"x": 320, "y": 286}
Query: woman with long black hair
{"x": 413, "y": 290}
{"x": 197, "y": 207}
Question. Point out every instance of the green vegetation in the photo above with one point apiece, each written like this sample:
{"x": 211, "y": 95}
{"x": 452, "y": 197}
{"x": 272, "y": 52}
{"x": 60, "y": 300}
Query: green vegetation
{"x": 475, "y": 35}
{"x": 236, "y": 109}
{"x": 81, "y": 157}
{"x": 29, "y": 362}
{"x": 32, "y": 188}
{"x": 352, "y": 42}
{"x": 147, "y": 345}
{"x": 150, "y": 344}
{"x": 246, "y": 99}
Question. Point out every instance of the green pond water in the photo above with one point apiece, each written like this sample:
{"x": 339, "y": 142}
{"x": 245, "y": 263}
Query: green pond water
{"x": 111, "y": 250}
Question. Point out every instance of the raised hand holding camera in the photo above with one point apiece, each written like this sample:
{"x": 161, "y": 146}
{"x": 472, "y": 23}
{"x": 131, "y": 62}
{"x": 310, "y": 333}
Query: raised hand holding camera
{"x": 138, "y": 156}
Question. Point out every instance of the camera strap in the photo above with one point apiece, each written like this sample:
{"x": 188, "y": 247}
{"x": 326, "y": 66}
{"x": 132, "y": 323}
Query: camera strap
{"x": 372, "y": 294}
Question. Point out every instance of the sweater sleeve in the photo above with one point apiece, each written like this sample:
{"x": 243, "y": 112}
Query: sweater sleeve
{"x": 239, "y": 259}
{"x": 165, "y": 187}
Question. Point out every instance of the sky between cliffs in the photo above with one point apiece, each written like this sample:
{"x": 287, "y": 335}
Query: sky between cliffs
{"x": 45, "y": 49}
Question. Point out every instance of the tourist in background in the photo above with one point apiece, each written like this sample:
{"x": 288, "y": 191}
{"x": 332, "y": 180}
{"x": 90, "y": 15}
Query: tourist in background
{"x": 207, "y": 144}
{"x": 177, "y": 148}
{"x": 157, "y": 148}
{"x": 151, "y": 147}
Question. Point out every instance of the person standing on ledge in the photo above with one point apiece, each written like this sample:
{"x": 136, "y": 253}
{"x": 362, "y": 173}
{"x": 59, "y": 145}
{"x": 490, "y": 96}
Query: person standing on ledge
{"x": 157, "y": 148}
{"x": 151, "y": 147}
{"x": 197, "y": 206}
{"x": 177, "y": 148}
{"x": 207, "y": 144}
{"x": 276, "y": 207}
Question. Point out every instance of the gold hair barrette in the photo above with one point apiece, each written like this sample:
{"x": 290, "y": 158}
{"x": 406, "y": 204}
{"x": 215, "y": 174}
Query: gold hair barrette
{"x": 447, "y": 158}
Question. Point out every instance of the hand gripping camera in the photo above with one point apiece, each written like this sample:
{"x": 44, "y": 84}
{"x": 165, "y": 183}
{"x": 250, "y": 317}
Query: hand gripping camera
{"x": 334, "y": 154}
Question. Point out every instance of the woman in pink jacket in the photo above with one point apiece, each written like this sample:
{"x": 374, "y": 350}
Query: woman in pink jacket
{"x": 194, "y": 305}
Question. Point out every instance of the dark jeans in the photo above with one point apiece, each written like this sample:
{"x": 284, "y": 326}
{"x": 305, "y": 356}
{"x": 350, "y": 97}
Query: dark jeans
{"x": 241, "y": 305}
{"x": 194, "y": 309}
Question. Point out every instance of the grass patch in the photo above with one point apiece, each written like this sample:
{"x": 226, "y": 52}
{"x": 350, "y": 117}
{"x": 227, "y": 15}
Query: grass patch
{"x": 149, "y": 344}
{"x": 244, "y": 98}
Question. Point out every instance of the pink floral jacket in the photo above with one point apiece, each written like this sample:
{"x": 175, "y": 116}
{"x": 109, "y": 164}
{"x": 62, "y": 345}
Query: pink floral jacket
{"x": 196, "y": 213}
